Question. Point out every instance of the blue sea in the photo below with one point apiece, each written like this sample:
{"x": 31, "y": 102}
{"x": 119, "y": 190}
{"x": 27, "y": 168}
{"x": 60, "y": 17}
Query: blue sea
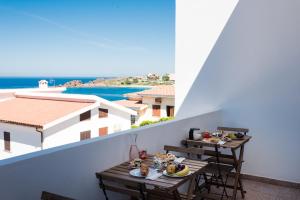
{"x": 109, "y": 93}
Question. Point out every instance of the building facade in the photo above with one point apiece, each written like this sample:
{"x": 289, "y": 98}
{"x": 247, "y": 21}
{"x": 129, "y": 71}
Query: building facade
{"x": 31, "y": 122}
{"x": 152, "y": 104}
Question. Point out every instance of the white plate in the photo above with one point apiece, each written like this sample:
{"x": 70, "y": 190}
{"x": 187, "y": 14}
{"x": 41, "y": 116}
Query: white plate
{"x": 137, "y": 172}
{"x": 174, "y": 175}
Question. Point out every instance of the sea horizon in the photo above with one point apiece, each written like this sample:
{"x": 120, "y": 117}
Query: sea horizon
{"x": 110, "y": 93}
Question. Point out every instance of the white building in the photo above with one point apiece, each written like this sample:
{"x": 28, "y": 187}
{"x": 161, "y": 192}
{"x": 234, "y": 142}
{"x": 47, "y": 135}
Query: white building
{"x": 35, "y": 121}
{"x": 10, "y": 93}
{"x": 152, "y": 77}
{"x": 172, "y": 77}
{"x": 151, "y": 104}
{"x": 43, "y": 84}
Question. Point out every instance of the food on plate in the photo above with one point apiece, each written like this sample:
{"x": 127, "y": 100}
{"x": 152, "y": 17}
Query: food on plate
{"x": 143, "y": 154}
{"x": 226, "y": 139}
{"x": 206, "y": 135}
{"x": 136, "y": 163}
{"x": 231, "y": 136}
{"x": 161, "y": 160}
{"x": 239, "y": 135}
{"x": 185, "y": 171}
{"x": 217, "y": 134}
{"x": 144, "y": 169}
{"x": 178, "y": 170}
{"x": 214, "y": 140}
{"x": 171, "y": 169}
{"x": 165, "y": 157}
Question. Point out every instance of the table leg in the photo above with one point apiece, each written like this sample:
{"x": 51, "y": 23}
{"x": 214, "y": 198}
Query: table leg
{"x": 238, "y": 171}
{"x": 176, "y": 195}
{"x": 102, "y": 186}
{"x": 141, "y": 189}
{"x": 235, "y": 166}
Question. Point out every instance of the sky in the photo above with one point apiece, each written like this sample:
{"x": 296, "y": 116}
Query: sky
{"x": 86, "y": 37}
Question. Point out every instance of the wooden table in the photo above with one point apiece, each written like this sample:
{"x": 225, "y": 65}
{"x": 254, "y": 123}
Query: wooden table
{"x": 120, "y": 174}
{"x": 233, "y": 145}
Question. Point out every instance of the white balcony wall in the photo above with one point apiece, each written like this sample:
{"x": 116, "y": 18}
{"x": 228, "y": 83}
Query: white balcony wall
{"x": 70, "y": 170}
{"x": 252, "y": 74}
{"x": 198, "y": 26}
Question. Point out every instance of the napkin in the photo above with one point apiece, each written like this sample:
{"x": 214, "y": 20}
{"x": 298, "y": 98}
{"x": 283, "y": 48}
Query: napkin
{"x": 221, "y": 142}
{"x": 179, "y": 160}
{"x": 153, "y": 175}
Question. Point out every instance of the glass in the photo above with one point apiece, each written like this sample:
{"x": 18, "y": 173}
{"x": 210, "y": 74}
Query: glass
{"x": 134, "y": 150}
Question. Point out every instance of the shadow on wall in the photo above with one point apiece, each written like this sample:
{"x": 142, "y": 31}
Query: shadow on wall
{"x": 252, "y": 74}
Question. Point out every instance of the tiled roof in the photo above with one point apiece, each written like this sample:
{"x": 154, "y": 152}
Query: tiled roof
{"x": 165, "y": 90}
{"x": 131, "y": 104}
{"x": 37, "y": 112}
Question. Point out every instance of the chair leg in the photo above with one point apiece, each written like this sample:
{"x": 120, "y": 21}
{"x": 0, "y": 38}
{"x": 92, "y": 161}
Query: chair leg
{"x": 242, "y": 188}
{"x": 102, "y": 186}
{"x": 206, "y": 183}
{"x": 224, "y": 188}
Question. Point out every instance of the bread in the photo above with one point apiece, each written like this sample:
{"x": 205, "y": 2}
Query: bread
{"x": 144, "y": 169}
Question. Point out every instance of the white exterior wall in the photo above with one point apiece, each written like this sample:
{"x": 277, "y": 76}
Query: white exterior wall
{"x": 26, "y": 139}
{"x": 163, "y": 108}
{"x": 252, "y": 74}
{"x": 69, "y": 131}
{"x": 198, "y": 26}
{"x": 23, "y": 140}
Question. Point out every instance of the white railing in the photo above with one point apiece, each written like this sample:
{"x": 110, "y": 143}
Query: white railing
{"x": 70, "y": 169}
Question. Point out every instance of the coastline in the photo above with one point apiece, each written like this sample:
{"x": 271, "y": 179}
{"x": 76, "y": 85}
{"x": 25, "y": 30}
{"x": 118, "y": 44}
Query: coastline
{"x": 113, "y": 86}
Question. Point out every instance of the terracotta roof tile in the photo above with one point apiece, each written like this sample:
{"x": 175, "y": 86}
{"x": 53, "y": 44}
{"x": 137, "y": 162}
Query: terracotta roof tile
{"x": 36, "y": 112}
{"x": 131, "y": 104}
{"x": 165, "y": 90}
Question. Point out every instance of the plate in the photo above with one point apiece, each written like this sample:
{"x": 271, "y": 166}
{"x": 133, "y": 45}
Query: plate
{"x": 174, "y": 175}
{"x": 137, "y": 172}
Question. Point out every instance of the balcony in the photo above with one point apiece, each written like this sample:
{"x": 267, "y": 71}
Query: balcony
{"x": 248, "y": 53}
{"x": 70, "y": 170}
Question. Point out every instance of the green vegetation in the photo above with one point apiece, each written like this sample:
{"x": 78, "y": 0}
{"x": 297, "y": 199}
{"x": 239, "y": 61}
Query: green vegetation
{"x": 148, "y": 122}
{"x": 166, "y": 77}
{"x": 127, "y": 82}
{"x": 163, "y": 119}
{"x": 135, "y": 80}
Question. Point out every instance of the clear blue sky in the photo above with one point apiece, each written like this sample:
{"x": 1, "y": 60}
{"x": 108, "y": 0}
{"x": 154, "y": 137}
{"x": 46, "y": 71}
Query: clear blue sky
{"x": 86, "y": 37}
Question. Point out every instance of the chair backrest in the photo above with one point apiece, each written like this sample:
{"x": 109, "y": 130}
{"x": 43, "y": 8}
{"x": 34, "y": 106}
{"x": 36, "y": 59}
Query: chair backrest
{"x": 126, "y": 187}
{"x": 187, "y": 150}
{"x": 52, "y": 196}
{"x": 243, "y": 130}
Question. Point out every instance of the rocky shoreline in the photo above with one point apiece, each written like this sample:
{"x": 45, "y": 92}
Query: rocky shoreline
{"x": 117, "y": 82}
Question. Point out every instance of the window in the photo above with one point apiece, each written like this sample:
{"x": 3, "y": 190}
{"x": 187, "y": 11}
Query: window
{"x": 103, "y": 113}
{"x": 6, "y": 141}
{"x": 156, "y": 110}
{"x": 170, "y": 111}
{"x": 132, "y": 119}
{"x": 158, "y": 100}
{"x": 85, "y": 116}
{"x": 85, "y": 135}
{"x": 103, "y": 131}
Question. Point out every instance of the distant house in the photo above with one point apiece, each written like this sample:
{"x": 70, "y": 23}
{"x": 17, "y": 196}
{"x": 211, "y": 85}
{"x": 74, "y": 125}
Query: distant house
{"x": 43, "y": 84}
{"x": 172, "y": 77}
{"x": 153, "y": 77}
{"x": 36, "y": 121}
{"x": 151, "y": 104}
